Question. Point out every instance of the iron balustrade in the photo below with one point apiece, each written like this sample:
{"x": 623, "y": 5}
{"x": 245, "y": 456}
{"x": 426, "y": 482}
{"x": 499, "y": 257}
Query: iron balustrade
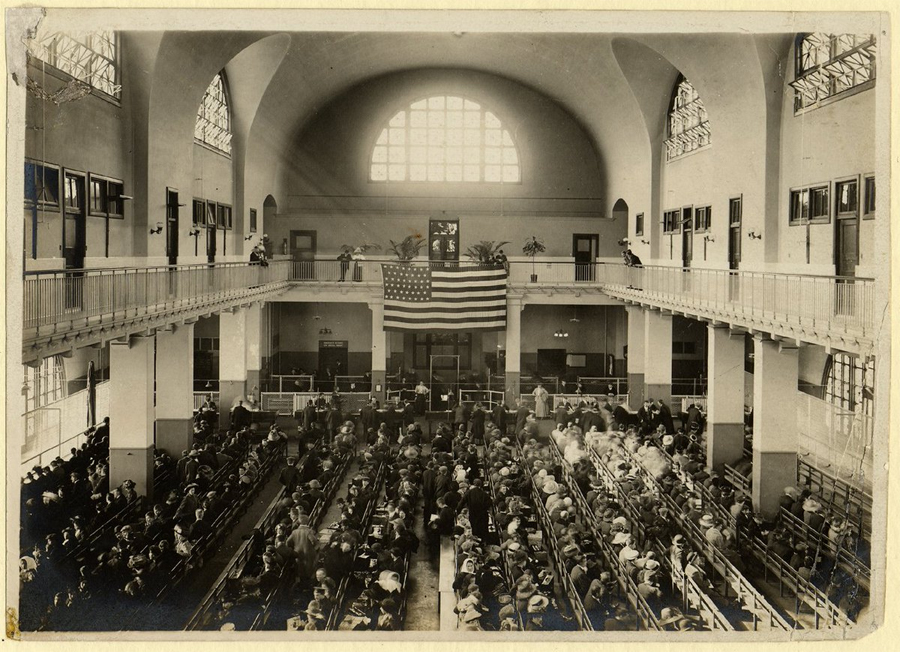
{"x": 57, "y": 301}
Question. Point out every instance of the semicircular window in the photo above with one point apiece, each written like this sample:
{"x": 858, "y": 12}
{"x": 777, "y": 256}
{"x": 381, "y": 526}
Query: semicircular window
{"x": 445, "y": 139}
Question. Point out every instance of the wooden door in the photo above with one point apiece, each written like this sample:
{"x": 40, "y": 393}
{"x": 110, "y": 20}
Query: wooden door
{"x": 584, "y": 250}
{"x": 172, "y": 226}
{"x": 302, "y": 245}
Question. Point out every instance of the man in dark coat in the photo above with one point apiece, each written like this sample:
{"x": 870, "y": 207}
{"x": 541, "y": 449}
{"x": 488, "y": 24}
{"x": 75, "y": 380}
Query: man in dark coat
{"x": 460, "y": 416}
{"x": 478, "y": 415}
{"x": 478, "y": 503}
{"x": 240, "y": 416}
{"x": 367, "y": 416}
{"x": 522, "y": 412}
{"x": 499, "y": 417}
{"x": 561, "y": 415}
{"x": 665, "y": 417}
{"x": 428, "y": 491}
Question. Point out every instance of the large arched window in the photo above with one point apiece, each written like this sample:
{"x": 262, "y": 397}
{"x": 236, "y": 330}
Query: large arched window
{"x": 213, "y": 126}
{"x": 90, "y": 57}
{"x": 688, "y": 123}
{"x": 445, "y": 139}
{"x": 829, "y": 64}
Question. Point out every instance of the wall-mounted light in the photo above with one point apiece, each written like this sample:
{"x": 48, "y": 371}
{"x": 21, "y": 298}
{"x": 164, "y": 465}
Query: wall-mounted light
{"x": 249, "y": 237}
{"x": 709, "y": 238}
{"x": 193, "y": 233}
{"x": 753, "y": 235}
{"x": 325, "y": 331}
{"x": 561, "y": 333}
{"x": 624, "y": 242}
{"x": 158, "y": 229}
{"x": 646, "y": 242}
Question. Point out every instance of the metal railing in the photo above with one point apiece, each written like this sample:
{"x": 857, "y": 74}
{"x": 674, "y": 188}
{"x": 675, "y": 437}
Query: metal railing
{"x": 62, "y": 299}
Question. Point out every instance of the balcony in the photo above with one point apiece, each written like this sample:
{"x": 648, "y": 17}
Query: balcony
{"x": 832, "y": 311}
{"x": 65, "y": 309}
{"x": 77, "y": 308}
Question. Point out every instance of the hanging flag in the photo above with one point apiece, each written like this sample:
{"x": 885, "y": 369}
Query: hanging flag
{"x": 419, "y": 298}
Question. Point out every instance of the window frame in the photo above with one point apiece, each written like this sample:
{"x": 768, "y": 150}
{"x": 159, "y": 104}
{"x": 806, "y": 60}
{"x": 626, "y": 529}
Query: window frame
{"x": 201, "y": 203}
{"x": 211, "y": 206}
{"x": 229, "y": 113}
{"x": 107, "y": 183}
{"x": 41, "y": 204}
{"x": 407, "y": 144}
{"x": 639, "y": 224}
{"x": 823, "y": 72}
{"x": 866, "y": 213}
{"x": 674, "y": 216}
{"x": 694, "y": 134}
{"x": 252, "y": 220}
{"x": 736, "y": 200}
{"x": 54, "y": 71}
{"x": 810, "y": 219}
{"x": 224, "y": 216}
{"x": 705, "y": 225}
{"x": 838, "y": 215}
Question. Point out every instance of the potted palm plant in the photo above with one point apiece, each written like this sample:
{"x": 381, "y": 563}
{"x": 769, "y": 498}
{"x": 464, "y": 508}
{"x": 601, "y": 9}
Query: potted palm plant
{"x": 407, "y": 249}
{"x": 485, "y": 252}
{"x": 532, "y": 248}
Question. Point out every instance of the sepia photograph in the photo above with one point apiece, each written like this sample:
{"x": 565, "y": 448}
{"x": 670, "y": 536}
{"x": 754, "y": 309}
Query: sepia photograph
{"x": 447, "y": 325}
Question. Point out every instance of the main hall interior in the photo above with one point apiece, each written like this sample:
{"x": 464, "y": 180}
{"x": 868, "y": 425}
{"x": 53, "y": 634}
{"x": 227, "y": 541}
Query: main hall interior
{"x": 448, "y": 326}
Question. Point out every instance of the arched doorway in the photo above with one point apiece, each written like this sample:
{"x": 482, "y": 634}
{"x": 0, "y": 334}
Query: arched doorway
{"x": 270, "y": 209}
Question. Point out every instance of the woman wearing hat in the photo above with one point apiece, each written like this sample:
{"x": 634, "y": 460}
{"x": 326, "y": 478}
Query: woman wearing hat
{"x": 536, "y": 610}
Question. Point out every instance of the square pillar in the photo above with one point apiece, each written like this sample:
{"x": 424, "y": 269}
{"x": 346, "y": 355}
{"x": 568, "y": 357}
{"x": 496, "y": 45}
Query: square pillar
{"x": 513, "y": 369}
{"x": 725, "y": 403}
{"x": 379, "y": 350}
{"x": 254, "y": 346}
{"x": 232, "y": 363}
{"x": 774, "y": 423}
{"x": 635, "y": 370}
{"x": 131, "y": 413}
{"x": 175, "y": 389}
{"x": 657, "y": 356}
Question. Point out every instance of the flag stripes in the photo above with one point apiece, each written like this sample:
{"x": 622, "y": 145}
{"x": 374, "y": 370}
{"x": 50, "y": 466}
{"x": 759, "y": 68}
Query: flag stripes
{"x": 418, "y": 298}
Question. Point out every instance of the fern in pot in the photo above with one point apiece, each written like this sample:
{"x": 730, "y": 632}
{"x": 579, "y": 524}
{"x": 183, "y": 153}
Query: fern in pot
{"x": 532, "y": 248}
{"x": 485, "y": 252}
{"x": 407, "y": 249}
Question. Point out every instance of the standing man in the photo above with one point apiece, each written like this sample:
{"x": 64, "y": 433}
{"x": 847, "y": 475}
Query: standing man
{"x": 479, "y": 504}
{"x": 344, "y": 259}
{"x": 499, "y": 417}
{"x": 522, "y": 413}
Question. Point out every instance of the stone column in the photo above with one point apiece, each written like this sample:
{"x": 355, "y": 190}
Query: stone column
{"x": 232, "y": 362}
{"x": 657, "y": 356}
{"x": 131, "y": 413}
{"x": 725, "y": 403}
{"x": 775, "y": 370}
{"x": 379, "y": 350}
{"x": 513, "y": 370}
{"x": 636, "y": 324}
{"x": 254, "y": 346}
{"x": 175, "y": 389}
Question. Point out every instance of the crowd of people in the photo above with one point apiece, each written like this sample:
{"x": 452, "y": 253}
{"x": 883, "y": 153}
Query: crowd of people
{"x": 608, "y": 494}
{"x": 92, "y": 555}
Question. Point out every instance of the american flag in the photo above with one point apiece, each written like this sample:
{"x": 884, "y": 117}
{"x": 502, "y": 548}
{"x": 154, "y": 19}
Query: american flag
{"x": 419, "y": 298}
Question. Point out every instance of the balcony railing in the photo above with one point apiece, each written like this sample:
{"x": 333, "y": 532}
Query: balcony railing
{"x": 824, "y": 303}
{"x": 74, "y": 298}
{"x": 60, "y": 301}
